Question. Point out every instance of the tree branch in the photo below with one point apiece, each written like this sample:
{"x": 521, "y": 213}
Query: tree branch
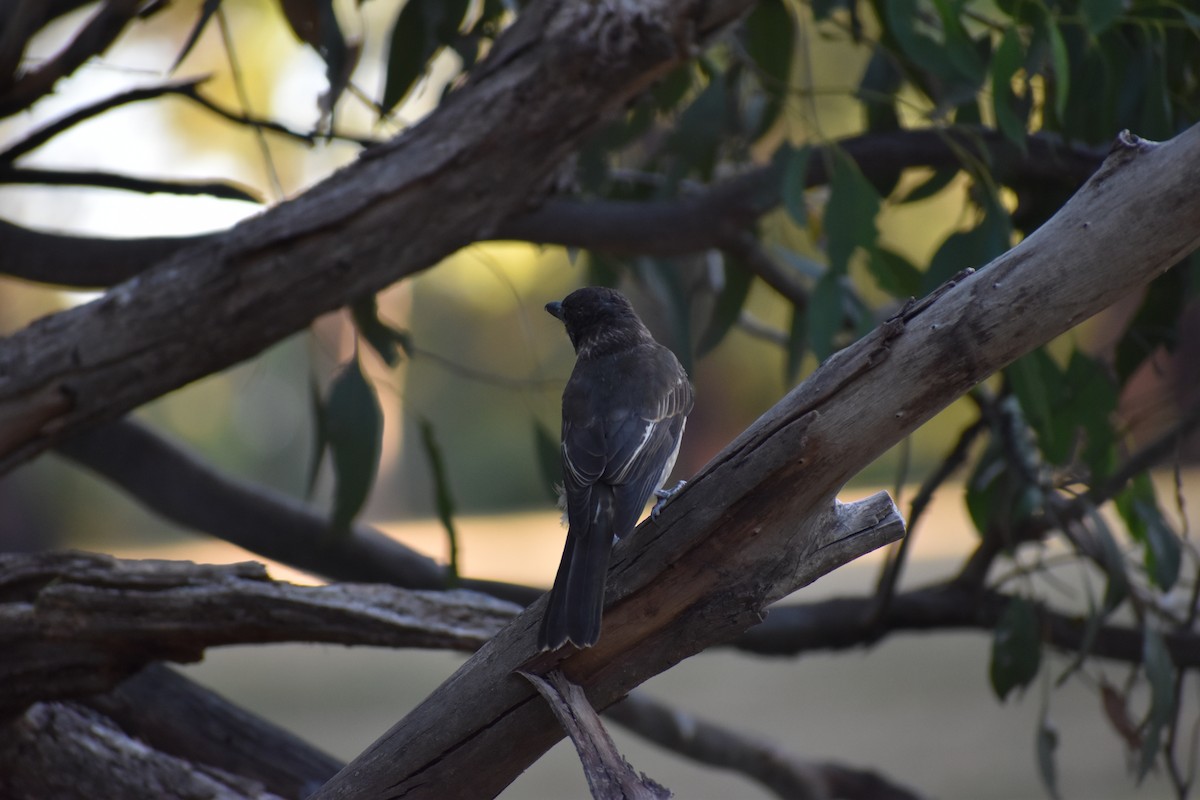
{"x": 716, "y": 746}
{"x": 848, "y": 622}
{"x": 75, "y": 624}
{"x": 107, "y": 180}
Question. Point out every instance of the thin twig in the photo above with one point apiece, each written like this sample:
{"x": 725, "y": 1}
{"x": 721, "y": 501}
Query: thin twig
{"x": 108, "y": 180}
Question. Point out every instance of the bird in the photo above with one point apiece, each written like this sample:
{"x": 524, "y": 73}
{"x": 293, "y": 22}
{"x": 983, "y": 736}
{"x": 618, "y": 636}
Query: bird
{"x": 624, "y": 409}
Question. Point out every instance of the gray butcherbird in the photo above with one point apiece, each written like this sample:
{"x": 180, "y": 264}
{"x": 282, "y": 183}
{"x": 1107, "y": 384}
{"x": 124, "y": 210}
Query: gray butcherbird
{"x": 623, "y": 415}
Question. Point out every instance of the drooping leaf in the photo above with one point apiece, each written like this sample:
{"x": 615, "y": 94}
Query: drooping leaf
{"x": 1045, "y": 746}
{"x": 930, "y": 186}
{"x": 877, "y": 90}
{"x": 973, "y": 248}
{"x": 730, "y": 301}
{"x": 442, "y": 497}
{"x": 1112, "y": 561}
{"x": 849, "y": 215}
{"x": 423, "y": 28}
{"x": 1160, "y": 673}
{"x": 825, "y": 315}
{"x": 1138, "y": 507}
{"x": 206, "y": 12}
{"x": 894, "y": 273}
{"x": 797, "y": 345}
{"x": 1007, "y": 60}
{"x": 354, "y": 424}
{"x": 701, "y": 130}
{"x": 795, "y": 181}
{"x": 1016, "y": 647}
{"x": 1162, "y": 545}
{"x": 770, "y": 39}
{"x": 1061, "y": 62}
{"x": 383, "y": 338}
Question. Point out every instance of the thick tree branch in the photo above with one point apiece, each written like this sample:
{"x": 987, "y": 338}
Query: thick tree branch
{"x": 716, "y": 746}
{"x": 74, "y": 624}
{"x": 759, "y": 521}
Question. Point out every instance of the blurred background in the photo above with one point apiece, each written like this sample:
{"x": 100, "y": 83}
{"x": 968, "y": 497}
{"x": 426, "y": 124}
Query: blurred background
{"x": 485, "y": 368}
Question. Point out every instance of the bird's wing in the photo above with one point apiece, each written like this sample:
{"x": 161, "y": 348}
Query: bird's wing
{"x": 642, "y": 449}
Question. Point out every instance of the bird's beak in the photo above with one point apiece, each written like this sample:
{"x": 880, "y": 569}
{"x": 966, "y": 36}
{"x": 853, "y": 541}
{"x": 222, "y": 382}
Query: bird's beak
{"x": 555, "y": 309}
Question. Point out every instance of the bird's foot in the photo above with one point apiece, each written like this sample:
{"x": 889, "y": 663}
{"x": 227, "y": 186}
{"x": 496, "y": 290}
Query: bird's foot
{"x": 663, "y": 496}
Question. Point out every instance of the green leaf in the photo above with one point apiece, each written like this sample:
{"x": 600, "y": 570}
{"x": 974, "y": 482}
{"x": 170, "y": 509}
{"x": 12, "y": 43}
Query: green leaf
{"x": 958, "y": 45}
{"x": 422, "y": 28}
{"x": 930, "y": 186}
{"x": 849, "y": 215}
{"x": 894, "y": 273}
{"x": 877, "y": 90}
{"x": 770, "y": 41}
{"x": 1016, "y": 647}
{"x": 730, "y": 301}
{"x": 1100, "y": 14}
{"x": 1112, "y": 560}
{"x": 354, "y": 422}
{"x": 1045, "y": 745}
{"x": 973, "y": 248}
{"x": 1138, "y": 507}
{"x": 797, "y": 345}
{"x": 381, "y": 336}
{"x": 549, "y": 457}
{"x": 1062, "y": 67}
{"x": 825, "y": 315}
{"x": 701, "y": 130}
{"x": 443, "y": 499}
{"x": 1009, "y": 58}
{"x": 795, "y": 181}
{"x": 1160, "y": 673}
{"x": 1162, "y": 545}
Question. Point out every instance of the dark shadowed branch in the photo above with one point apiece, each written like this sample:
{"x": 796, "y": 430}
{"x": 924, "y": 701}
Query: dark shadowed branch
{"x": 717, "y": 746}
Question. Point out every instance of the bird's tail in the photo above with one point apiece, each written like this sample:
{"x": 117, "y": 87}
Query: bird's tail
{"x": 577, "y": 599}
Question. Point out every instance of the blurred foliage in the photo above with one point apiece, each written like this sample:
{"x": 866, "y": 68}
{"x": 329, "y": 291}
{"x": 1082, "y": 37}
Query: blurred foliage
{"x": 462, "y": 358}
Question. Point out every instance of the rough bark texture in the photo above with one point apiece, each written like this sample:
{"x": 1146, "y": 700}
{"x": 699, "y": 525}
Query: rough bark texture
{"x": 74, "y": 623}
{"x": 760, "y": 521}
{"x": 489, "y": 151}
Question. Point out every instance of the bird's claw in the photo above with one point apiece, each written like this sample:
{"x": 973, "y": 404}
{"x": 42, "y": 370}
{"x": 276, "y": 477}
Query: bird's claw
{"x": 663, "y": 496}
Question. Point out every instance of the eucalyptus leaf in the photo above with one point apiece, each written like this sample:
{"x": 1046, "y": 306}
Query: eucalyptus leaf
{"x": 354, "y": 424}
{"x": 1016, "y": 647}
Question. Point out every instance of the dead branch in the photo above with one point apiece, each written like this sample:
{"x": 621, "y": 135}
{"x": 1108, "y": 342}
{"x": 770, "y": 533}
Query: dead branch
{"x": 75, "y": 624}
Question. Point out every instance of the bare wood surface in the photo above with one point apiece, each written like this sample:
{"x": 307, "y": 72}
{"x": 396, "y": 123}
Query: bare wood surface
{"x": 74, "y": 624}
{"x": 760, "y": 520}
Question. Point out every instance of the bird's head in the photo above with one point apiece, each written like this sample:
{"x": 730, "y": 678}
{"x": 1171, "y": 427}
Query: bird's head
{"x": 598, "y": 320}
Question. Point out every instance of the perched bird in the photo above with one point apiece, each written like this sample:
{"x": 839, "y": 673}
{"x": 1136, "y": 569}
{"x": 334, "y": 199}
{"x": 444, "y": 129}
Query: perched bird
{"x": 623, "y": 414}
